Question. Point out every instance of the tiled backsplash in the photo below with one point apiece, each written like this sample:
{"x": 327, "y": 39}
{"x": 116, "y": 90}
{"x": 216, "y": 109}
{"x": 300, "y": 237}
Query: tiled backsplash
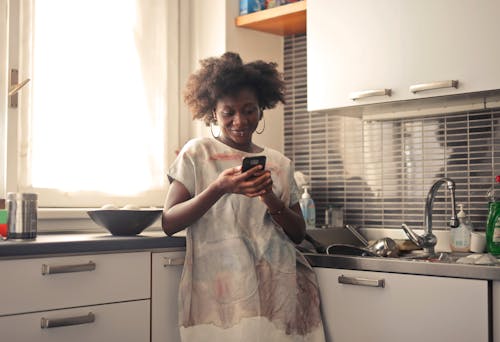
{"x": 381, "y": 171}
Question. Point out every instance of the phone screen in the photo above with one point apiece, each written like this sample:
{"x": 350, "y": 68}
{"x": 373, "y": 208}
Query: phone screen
{"x": 249, "y": 162}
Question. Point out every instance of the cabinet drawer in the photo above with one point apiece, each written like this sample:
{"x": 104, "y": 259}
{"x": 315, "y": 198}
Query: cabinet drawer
{"x": 41, "y": 284}
{"x": 128, "y": 321}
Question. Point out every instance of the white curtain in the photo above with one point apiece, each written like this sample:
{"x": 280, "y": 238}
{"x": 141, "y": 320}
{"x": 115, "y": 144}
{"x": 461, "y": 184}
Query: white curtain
{"x": 93, "y": 128}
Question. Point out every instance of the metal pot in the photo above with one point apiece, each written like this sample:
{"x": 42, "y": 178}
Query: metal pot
{"x": 385, "y": 247}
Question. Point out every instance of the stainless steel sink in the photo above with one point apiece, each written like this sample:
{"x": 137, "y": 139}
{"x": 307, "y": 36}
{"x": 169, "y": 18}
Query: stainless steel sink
{"x": 472, "y": 259}
{"x": 446, "y": 257}
{"x": 343, "y": 243}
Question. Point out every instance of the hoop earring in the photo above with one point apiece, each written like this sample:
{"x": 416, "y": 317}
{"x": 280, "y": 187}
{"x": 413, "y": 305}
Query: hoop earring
{"x": 263, "y": 127}
{"x": 212, "y": 130}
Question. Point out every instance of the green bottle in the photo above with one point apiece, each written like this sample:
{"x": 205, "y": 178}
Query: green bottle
{"x": 493, "y": 222}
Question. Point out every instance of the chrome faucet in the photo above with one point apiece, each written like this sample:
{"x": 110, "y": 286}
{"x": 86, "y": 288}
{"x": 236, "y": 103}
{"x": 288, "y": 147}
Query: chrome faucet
{"x": 429, "y": 240}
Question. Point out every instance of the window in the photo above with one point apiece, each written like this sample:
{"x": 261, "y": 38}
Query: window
{"x": 92, "y": 124}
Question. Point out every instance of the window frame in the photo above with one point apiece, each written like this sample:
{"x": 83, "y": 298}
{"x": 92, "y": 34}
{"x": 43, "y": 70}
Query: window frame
{"x": 177, "y": 67}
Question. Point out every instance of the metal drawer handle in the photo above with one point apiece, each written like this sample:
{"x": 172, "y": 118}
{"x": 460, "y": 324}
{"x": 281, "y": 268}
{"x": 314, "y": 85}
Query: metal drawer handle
{"x": 434, "y": 85}
{"x": 173, "y": 262}
{"x": 368, "y": 93}
{"x": 47, "y": 269}
{"x": 47, "y": 323}
{"x": 361, "y": 281}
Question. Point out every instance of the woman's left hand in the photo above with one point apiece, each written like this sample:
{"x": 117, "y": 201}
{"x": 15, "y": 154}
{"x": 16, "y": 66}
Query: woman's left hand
{"x": 258, "y": 183}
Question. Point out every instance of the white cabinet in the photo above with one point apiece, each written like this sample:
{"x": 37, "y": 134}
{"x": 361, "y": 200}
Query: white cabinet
{"x": 496, "y": 311}
{"x": 362, "y": 45}
{"x": 105, "y": 296}
{"x": 398, "y": 307}
{"x": 166, "y": 275}
{"x": 351, "y": 46}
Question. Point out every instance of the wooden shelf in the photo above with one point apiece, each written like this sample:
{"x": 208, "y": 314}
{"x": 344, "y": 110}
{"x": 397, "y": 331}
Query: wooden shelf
{"x": 282, "y": 20}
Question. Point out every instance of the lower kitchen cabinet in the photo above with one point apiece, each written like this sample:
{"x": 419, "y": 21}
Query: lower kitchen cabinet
{"x": 496, "y": 311}
{"x": 92, "y": 297}
{"x": 166, "y": 275}
{"x": 95, "y": 297}
{"x": 380, "y": 307}
{"x": 124, "y": 322}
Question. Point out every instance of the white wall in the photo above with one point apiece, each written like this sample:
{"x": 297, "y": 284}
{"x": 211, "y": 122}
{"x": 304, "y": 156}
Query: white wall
{"x": 254, "y": 45}
{"x": 4, "y": 40}
{"x": 12, "y": 119}
{"x": 213, "y": 33}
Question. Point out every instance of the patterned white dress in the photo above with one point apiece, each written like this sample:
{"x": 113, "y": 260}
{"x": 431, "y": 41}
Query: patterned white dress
{"x": 243, "y": 279}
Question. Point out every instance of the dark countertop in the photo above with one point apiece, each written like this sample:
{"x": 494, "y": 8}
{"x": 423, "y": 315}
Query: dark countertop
{"x": 394, "y": 265}
{"x": 57, "y": 244}
{"x": 67, "y": 244}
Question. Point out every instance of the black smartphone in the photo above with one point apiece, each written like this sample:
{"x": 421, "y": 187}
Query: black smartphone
{"x": 249, "y": 162}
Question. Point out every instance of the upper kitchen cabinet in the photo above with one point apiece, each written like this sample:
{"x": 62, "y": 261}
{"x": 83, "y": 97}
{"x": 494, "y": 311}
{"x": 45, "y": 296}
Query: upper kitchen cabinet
{"x": 363, "y": 52}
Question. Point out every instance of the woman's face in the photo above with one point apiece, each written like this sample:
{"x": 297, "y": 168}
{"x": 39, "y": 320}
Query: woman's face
{"x": 238, "y": 117}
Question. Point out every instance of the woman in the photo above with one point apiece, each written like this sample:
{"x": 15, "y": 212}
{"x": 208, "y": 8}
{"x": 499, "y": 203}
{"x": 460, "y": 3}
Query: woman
{"x": 243, "y": 279}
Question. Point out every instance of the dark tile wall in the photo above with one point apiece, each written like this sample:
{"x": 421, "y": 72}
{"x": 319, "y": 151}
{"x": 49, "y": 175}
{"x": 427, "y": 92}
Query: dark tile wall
{"x": 381, "y": 171}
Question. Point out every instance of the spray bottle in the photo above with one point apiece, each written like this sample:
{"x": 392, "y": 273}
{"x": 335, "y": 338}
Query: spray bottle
{"x": 308, "y": 209}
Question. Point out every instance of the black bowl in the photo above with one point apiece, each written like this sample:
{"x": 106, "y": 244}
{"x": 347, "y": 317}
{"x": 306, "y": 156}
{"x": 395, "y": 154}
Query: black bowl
{"x": 125, "y": 222}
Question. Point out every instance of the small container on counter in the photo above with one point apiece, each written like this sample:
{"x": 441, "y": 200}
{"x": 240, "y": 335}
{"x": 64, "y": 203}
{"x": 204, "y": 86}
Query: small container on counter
{"x": 460, "y": 236}
{"x": 22, "y": 215}
{"x": 308, "y": 208}
{"x": 3, "y": 218}
{"x": 477, "y": 242}
{"x": 334, "y": 216}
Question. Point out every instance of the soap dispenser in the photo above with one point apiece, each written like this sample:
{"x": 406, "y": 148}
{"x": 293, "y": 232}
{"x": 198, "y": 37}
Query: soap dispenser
{"x": 460, "y": 236}
{"x": 308, "y": 209}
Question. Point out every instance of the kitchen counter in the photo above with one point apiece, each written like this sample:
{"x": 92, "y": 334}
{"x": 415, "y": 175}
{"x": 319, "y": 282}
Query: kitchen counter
{"x": 63, "y": 244}
{"x": 57, "y": 244}
{"x": 394, "y": 265}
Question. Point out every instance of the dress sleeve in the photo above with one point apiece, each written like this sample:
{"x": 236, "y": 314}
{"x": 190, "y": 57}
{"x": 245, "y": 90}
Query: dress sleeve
{"x": 183, "y": 169}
